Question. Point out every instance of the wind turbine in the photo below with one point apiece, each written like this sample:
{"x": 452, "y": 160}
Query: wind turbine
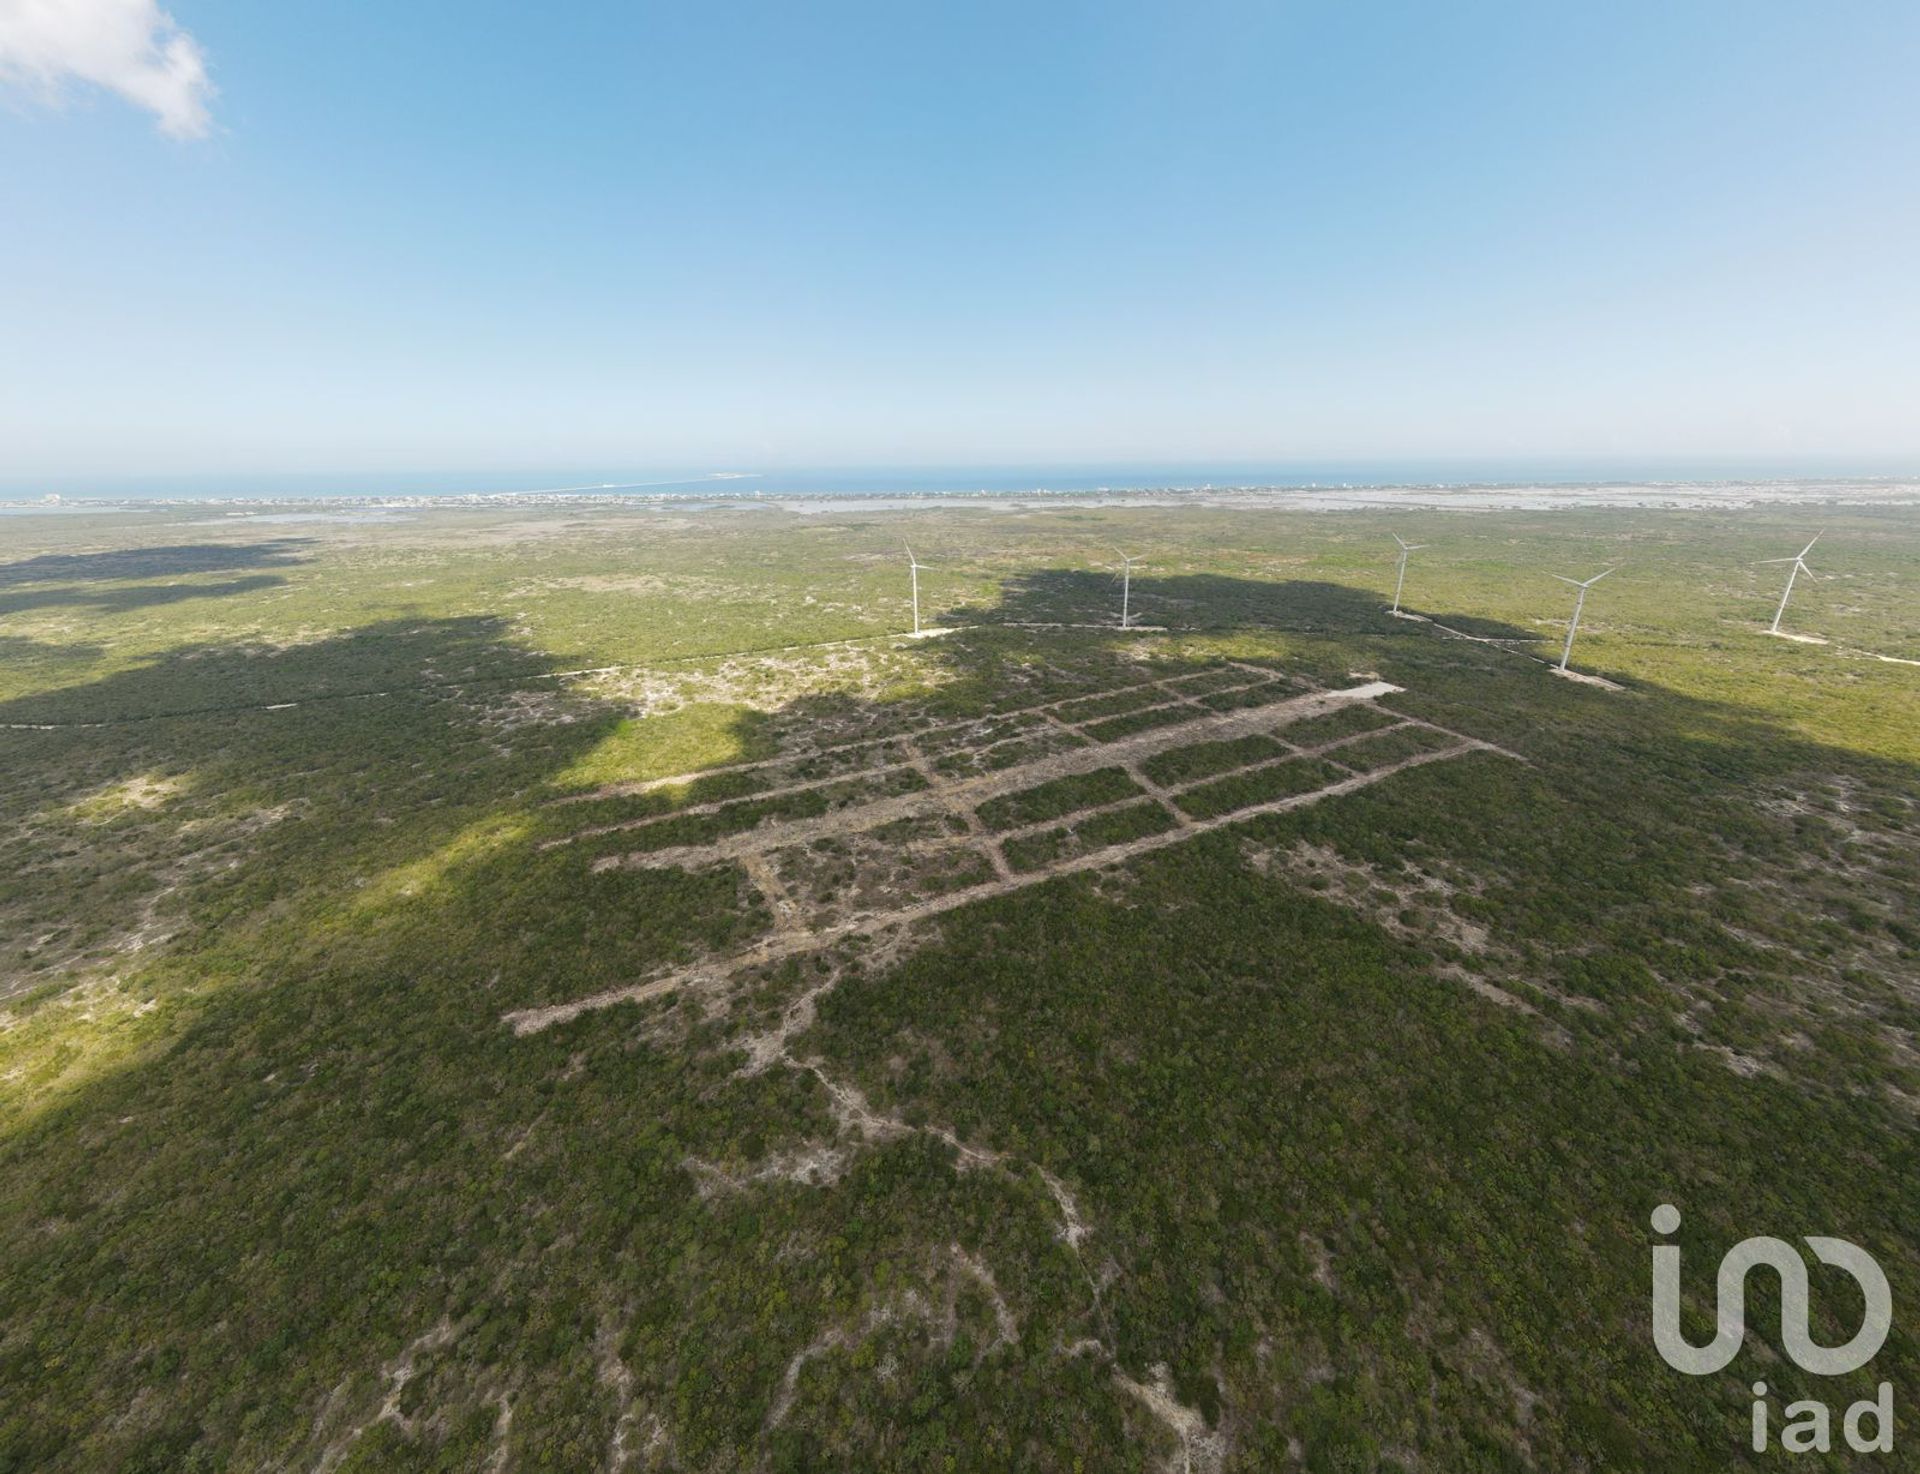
{"x": 1127, "y": 560}
{"x": 914, "y": 565}
{"x": 1399, "y": 583}
{"x": 1799, "y": 562}
{"x": 1580, "y": 603}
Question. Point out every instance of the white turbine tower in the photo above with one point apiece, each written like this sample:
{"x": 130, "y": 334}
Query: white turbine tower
{"x": 1566, "y": 652}
{"x": 1400, "y": 581}
{"x": 1127, "y": 560}
{"x": 1799, "y": 562}
{"x": 914, "y": 565}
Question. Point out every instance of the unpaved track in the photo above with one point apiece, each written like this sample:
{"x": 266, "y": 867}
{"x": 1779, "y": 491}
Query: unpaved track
{"x": 948, "y": 794}
{"x": 782, "y": 945}
{"x": 916, "y": 736}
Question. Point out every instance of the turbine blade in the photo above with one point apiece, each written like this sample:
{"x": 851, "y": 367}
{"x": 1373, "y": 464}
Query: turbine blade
{"x": 1597, "y": 577}
{"x": 1564, "y": 579}
{"x": 1816, "y": 538}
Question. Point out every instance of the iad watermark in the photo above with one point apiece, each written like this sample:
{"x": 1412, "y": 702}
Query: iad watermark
{"x": 1809, "y": 1424}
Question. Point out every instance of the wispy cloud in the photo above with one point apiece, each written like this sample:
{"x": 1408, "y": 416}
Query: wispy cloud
{"x": 131, "y": 47}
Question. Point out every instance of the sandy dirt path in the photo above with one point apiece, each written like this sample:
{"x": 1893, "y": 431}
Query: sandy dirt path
{"x": 946, "y": 795}
{"x": 784, "y": 944}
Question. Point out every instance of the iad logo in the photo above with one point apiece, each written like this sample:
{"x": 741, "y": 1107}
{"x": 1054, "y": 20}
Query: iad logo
{"x": 1808, "y": 1426}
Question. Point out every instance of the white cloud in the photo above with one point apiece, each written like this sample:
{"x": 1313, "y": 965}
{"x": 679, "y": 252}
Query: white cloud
{"x": 131, "y": 47}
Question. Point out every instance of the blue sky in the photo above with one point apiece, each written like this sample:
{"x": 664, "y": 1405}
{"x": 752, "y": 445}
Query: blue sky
{"x": 427, "y": 236}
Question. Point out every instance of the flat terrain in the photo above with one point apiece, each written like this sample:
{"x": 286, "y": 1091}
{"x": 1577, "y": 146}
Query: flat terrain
{"x": 575, "y": 989}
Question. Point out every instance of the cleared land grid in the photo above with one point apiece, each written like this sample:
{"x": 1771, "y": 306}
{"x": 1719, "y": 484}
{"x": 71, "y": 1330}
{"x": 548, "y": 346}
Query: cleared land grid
{"x": 857, "y": 837}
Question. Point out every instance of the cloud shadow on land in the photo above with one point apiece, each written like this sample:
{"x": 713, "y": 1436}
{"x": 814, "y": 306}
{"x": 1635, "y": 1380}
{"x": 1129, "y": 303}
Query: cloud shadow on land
{"x": 20, "y": 649}
{"x": 1204, "y": 602}
{"x": 126, "y": 600}
{"x": 103, "y": 581}
{"x": 176, "y": 561}
{"x": 394, "y": 657}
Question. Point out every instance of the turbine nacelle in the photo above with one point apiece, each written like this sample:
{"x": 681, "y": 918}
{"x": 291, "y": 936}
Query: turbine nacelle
{"x": 1799, "y": 557}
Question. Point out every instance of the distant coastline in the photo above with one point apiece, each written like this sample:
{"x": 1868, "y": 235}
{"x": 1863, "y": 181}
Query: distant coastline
{"x": 742, "y": 491}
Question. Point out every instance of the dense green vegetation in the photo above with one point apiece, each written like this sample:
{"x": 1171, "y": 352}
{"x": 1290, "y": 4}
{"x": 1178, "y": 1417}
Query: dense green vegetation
{"x": 1097, "y": 831}
{"x": 1383, "y": 749}
{"x": 1061, "y": 796}
{"x": 1204, "y": 759}
{"x": 1258, "y": 786}
{"x": 1360, "y": 1109}
{"x": 1251, "y": 696}
{"x": 1346, "y": 721}
{"x": 1114, "y": 728}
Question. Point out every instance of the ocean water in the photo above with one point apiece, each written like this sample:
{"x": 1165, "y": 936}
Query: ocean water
{"x": 862, "y": 481}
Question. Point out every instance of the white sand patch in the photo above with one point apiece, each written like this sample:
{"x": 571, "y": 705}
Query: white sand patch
{"x": 1200, "y": 1451}
{"x": 144, "y": 791}
{"x": 1586, "y": 680}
